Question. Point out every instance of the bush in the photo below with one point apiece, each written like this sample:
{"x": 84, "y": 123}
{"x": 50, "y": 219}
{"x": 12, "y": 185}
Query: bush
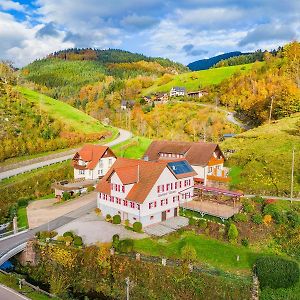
{"x": 108, "y": 218}
{"x": 258, "y": 199}
{"x": 248, "y": 206}
{"x": 232, "y": 233}
{"x": 257, "y": 219}
{"x": 192, "y": 221}
{"x": 68, "y": 233}
{"x": 245, "y": 242}
{"x": 126, "y": 245}
{"x": 137, "y": 226}
{"x": 240, "y": 217}
{"x": 116, "y": 242}
{"x": 116, "y": 219}
{"x": 188, "y": 253}
{"x": 90, "y": 188}
{"x": 68, "y": 240}
{"x": 97, "y": 211}
{"x": 43, "y": 235}
{"x": 127, "y": 223}
{"x": 293, "y": 218}
{"x": 273, "y": 211}
{"x": 267, "y": 219}
{"x": 78, "y": 241}
{"x": 23, "y": 202}
{"x": 66, "y": 196}
{"x": 276, "y": 272}
{"x": 202, "y": 223}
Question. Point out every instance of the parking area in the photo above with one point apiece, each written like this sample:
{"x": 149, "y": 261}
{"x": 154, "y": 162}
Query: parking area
{"x": 93, "y": 229}
{"x": 167, "y": 226}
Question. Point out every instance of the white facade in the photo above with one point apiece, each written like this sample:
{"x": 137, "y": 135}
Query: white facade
{"x": 176, "y": 92}
{"x": 162, "y": 202}
{"x": 100, "y": 169}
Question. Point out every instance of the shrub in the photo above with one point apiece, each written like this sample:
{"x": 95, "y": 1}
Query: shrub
{"x": 90, "y": 188}
{"x": 78, "y": 241}
{"x": 42, "y": 235}
{"x": 116, "y": 241}
{"x": 248, "y": 206}
{"x": 108, "y": 218}
{"x": 258, "y": 199}
{"x": 66, "y": 196}
{"x": 257, "y": 219}
{"x": 232, "y": 233}
{"x": 273, "y": 210}
{"x": 68, "y": 240}
{"x": 188, "y": 253}
{"x": 126, "y": 223}
{"x": 245, "y": 242}
{"x": 276, "y": 272}
{"x": 240, "y": 217}
{"x": 68, "y": 233}
{"x": 126, "y": 245}
{"x": 293, "y": 218}
{"x": 267, "y": 219}
{"x": 97, "y": 211}
{"x": 23, "y": 202}
{"x": 202, "y": 223}
{"x": 192, "y": 221}
{"x": 137, "y": 226}
{"x": 116, "y": 219}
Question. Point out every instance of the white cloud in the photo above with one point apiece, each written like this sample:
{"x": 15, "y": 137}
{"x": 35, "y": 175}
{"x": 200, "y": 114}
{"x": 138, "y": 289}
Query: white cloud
{"x": 20, "y": 44}
{"x": 11, "y": 5}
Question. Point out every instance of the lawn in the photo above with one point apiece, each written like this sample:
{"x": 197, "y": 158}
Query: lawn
{"x": 133, "y": 148}
{"x": 209, "y": 251}
{"x": 195, "y": 80}
{"x": 234, "y": 175}
{"x": 67, "y": 114}
{"x": 263, "y": 157}
{"x": 12, "y": 282}
{"x": 22, "y": 217}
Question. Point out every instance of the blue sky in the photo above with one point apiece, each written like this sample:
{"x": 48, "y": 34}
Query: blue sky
{"x": 183, "y": 31}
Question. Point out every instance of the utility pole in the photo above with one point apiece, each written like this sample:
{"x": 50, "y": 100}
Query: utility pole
{"x": 127, "y": 281}
{"x": 292, "y": 175}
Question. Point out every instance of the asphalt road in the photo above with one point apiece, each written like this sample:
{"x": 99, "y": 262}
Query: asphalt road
{"x": 9, "y": 294}
{"x": 31, "y": 165}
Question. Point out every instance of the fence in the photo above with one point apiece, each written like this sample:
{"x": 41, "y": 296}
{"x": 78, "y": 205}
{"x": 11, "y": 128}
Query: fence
{"x": 12, "y": 233}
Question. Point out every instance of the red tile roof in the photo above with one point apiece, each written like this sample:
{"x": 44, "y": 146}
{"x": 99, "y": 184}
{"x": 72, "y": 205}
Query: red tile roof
{"x": 91, "y": 154}
{"x": 142, "y": 174}
{"x": 196, "y": 153}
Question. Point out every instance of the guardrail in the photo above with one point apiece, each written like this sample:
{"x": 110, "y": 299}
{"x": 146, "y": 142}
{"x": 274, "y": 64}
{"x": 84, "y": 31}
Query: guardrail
{"x": 11, "y": 233}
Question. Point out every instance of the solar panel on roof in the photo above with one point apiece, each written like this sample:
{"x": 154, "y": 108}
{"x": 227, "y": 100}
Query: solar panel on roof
{"x": 180, "y": 167}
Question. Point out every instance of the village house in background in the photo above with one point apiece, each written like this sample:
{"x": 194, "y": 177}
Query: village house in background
{"x": 206, "y": 159}
{"x": 90, "y": 164}
{"x": 197, "y": 94}
{"x": 161, "y": 97}
{"x": 127, "y": 104}
{"x": 177, "y": 91}
{"x": 147, "y": 192}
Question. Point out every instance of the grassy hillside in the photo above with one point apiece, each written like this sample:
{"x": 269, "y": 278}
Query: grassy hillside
{"x": 263, "y": 156}
{"x": 67, "y": 114}
{"x": 194, "y": 80}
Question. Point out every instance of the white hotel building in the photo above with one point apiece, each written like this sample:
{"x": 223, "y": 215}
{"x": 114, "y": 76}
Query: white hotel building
{"x": 148, "y": 192}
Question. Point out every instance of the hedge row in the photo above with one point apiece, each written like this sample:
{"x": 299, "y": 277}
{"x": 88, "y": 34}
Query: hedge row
{"x": 31, "y": 185}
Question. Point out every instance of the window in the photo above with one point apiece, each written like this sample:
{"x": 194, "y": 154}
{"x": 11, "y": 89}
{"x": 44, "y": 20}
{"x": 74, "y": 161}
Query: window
{"x": 111, "y": 199}
{"x": 100, "y": 172}
{"x": 168, "y": 186}
{"x": 125, "y": 202}
{"x": 175, "y": 185}
{"x": 101, "y": 163}
{"x": 162, "y": 188}
{"x": 158, "y": 189}
{"x": 210, "y": 170}
{"x": 161, "y": 202}
{"x": 180, "y": 184}
{"x": 123, "y": 189}
{"x": 109, "y": 161}
{"x": 171, "y": 185}
{"x": 154, "y": 203}
{"x": 132, "y": 204}
{"x": 81, "y": 172}
{"x": 152, "y": 217}
{"x": 166, "y": 201}
{"x": 138, "y": 206}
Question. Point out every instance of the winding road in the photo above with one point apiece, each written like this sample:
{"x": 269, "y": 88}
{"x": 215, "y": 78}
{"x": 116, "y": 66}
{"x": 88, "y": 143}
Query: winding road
{"x": 32, "y": 164}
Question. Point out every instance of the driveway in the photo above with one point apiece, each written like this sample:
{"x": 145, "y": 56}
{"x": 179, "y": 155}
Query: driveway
{"x": 42, "y": 211}
{"x": 94, "y": 229}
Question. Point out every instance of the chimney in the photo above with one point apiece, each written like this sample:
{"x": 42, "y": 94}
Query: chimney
{"x": 146, "y": 158}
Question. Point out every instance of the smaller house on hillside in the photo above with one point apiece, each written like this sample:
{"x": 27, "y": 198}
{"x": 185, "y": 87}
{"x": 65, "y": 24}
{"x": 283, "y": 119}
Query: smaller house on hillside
{"x": 127, "y": 104}
{"x": 147, "y": 99}
{"x": 92, "y": 162}
{"x": 197, "y": 94}
{"x": 161, "y": 97}
{"x": 177, "y": 91}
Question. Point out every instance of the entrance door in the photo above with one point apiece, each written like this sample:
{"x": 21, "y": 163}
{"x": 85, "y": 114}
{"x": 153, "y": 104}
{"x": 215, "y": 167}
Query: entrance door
{"x": 164, "y": 216}
{"x": 175, "y": 211}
